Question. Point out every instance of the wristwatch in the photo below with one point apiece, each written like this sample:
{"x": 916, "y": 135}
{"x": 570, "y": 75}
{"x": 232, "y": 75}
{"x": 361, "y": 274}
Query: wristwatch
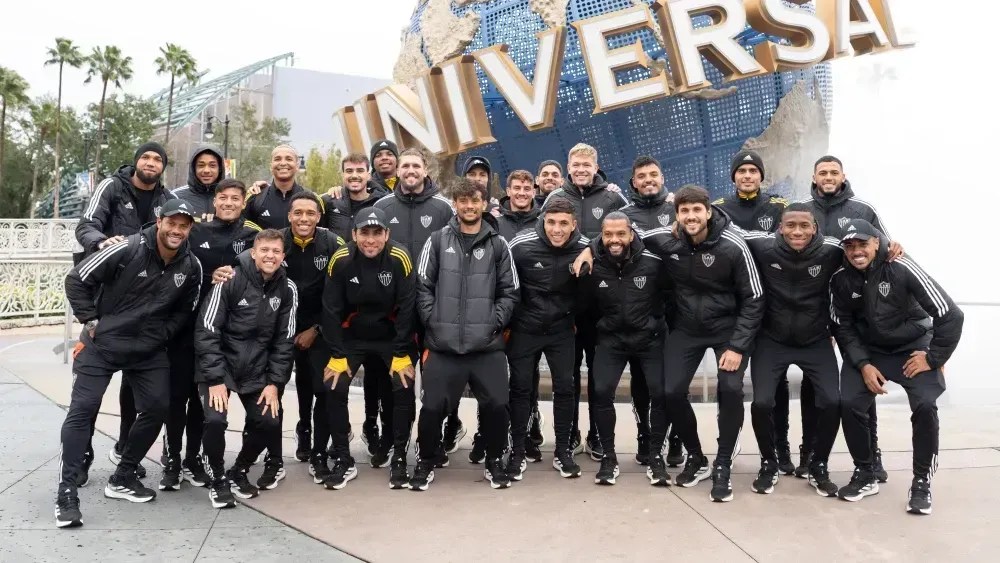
{"x": 91, "y": 324}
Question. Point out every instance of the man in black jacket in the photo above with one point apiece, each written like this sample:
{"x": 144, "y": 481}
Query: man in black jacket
{"x": 548, "y": 180}
{"x": 543, "y": 323}
{"x": 628, "y": 284}
{"x": 205, "y": 171}
{"x": 126, "y": 330}
{"x": 749, "y": 208}
{"x": 796, "y": 266}
{"x": 361, "y": 192}
{"x": 267, "y": 204}
{"x": 215, "y": 241}
{"x": 893, "y": 322}
{"x": 467, "y": 292}
{"x": 244, "y": 341}
{"x": 368, "y": 311}
{"x": 384, "y": 157}
{"x": 588, "y": 191}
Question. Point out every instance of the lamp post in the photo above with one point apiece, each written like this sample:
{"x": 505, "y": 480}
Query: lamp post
{"x": 209, "y": 133}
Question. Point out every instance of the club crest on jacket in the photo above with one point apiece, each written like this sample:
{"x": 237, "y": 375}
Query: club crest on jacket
{"x": 766, "y": 222}
{"x": 884, "y": 288}
{"x": 385, "y": 278}
{"x": 815, "y": 270}
{"x": 239, "y": 245}
{"x": 639, "y": 281}
{"x": 179, "y": 279}
{"x": 320, "y": 262}
{"x": 274, "y": 302}
{"x": 708, "y": 259}
{"x": 843, "y": 221}
{"x": 479, "y": 253}
{"x": 425, "y": 220}
{"x": 664, "y": 219}
{"x": 598, "y": 212}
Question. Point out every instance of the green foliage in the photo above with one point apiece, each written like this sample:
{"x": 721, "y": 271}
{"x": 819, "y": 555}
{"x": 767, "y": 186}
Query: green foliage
{"x": 251, "y": 141}
{"x": 129, "y": 123}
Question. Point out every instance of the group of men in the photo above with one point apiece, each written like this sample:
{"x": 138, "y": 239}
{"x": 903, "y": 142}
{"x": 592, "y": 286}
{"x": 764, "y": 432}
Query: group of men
{"x": 218, "y": 288}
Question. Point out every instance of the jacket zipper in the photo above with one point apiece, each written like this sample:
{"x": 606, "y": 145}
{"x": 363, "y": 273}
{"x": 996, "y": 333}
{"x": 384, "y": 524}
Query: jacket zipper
{"x": 461, "y": 302}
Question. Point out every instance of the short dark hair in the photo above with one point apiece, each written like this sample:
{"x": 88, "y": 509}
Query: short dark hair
{"x": 828, "y": 158}
{"x": 268, "y": 234}
{"x": 356, "y": 158}
{"x": 306, "y": 195}
{"x": 616, "y": 216}
{"x": 522, "y": 175}
{"x": 549, "y": 163}
{"x": 799, "y": 207}
{"x": 643, "y": 161}
{"x": 689, "y": 194}
{"x": 560, "y": 205}
{"x": 414, "y": 152}
{"x": 463, "y": 187}
{"x": 231, "y": 183}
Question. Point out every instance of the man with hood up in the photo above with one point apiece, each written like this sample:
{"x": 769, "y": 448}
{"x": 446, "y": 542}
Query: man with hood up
{"x": 205, "y": 170}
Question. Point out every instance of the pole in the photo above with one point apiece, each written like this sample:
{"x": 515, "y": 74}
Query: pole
{"x": 225, "y": 139}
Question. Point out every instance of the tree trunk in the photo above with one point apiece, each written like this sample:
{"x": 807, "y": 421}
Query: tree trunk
{"x": 3, "y": 137}
{"x": 58, "y": 179}
{"x": 100, "y": 127}
{"x": 34, "y": 182}
{"x": 170, "y": 111}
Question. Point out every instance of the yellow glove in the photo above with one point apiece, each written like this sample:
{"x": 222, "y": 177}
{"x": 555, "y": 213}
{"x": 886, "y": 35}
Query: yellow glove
{"x": 400, "y": 363}
{"x": 337, "y": 365}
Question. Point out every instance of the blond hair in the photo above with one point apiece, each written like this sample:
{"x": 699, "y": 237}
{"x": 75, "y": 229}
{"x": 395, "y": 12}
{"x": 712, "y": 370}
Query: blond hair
{"x": 583, "y": 149}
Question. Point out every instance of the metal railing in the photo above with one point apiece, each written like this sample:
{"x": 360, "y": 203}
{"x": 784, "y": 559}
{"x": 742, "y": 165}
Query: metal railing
{"x": 37, "y": 238}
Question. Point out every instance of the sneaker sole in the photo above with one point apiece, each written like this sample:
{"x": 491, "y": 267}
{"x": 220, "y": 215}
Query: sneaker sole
{"x": 918, "y": 511}
{"x": 425, "y": 486}
{"x": 822, "y": 493}
{"x": 659, "y": 482}
{"x": 163, "y": 487}
{"x": 726, "y": 498}
{"x": 860, "y": 495}
{"x": 801, "y": 475}
{"x": 190, "y": 478}
{"x": 882, "y": 477}
{"x": 767, "y": 490}
{"x": 399, "y": 486}
{"x": 348, "y": 477}
{"x": 217, "y": 504}
{"x": 68, "y": 523}
{"x": 474, "y": 461}
{"x": 458, "y": 438}
{"x": 494, "y": 484}
{"x": 277, "y": 479}
{"x": 388, "y": 459}
{"x": 115, "y": 459}
{"x": 84, "y": 483}
{"x": 698, "y": 478}
{"x": 610, "y": 481}
{"x": 111, "y": 493}
{"x": 563, "y": 473}
{"x": 243, "y": 495}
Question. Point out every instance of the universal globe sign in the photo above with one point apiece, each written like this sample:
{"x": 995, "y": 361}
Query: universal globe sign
{"x": 444, "y": 110}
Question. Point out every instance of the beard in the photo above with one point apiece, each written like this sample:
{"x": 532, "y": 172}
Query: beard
{"x": 148, "y": 180}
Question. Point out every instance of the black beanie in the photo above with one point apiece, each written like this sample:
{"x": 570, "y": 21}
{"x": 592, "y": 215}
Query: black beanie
{"x": 746, "y": 157}
{"x": 147, "y": 147}
{"x": 474, "y": 161}
{"x": 382, "y": 144}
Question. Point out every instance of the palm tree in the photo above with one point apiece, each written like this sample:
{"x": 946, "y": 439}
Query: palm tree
{"x": 45, "y": 122}
{"x": 64, "y": 53}
{"x": 175, "y": 61}
{"x": 110, "y": 66}
{"x": 14, "y": 92}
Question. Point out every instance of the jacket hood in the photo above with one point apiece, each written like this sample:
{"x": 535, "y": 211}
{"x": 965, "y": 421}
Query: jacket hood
{"x": 634, "y": 251}
{"x": 717, "y": 223}
{"x": 843, "y": 194}
{"x": 573, "y": 238}
{"x": 530, "y": 214}
{"x": 193, "y": 182}
{"x": 811, "y": 249}
{"x": 647, "y": 201}
{"x": 245, "y": 263}
{"x": 430, "y": 190}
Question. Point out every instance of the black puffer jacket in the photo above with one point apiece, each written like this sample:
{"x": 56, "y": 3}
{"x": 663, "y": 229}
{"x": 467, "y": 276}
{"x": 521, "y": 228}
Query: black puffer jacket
{"x": 245, "y": 332}
{"x": 339, "y": 213}
{"x": 797, "y": 286}
{"x": 549, "y": 290}
{"x": 306, "y": 264}
{"x": 759, "y": 213}
{"x": 113, "y": 210}
{"x": 141, "y": 302}
{"x": 466, "y": 298}
{"x": 216, "y": 243}
{"x": 592, "y": 203}
{"x": 629, "y": 296}
{"x": 649, "y": 212}
{"x": 716, "y": 283}
{"x": 413, "y": 217}
{"x": 199, "y": 195}
{"x": 892, "y": 307}
{"x": 513, "y": 222}
{"x": 833, "y": 212}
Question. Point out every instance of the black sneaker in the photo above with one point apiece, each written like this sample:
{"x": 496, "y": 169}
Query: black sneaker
{"x": 274, "y": 471}
{"x": 164, "y": 456}
{"x": 68, "y": 509}
{"x": 453, "y": 434}
{"x": 115, "y": 455}
{"x": 128, "y": 487}
{"x": 819, "y": 478}
{"x": 193, "y": 471}
{"x": 478, "y": 453}
{"x": 576, "y": 443}
{"x": 642, "y": 453}
{"x": 767, "y": 477}
{"x": 657, "y": 472}
{"x": 675, "y": 453}
{"x": 496, "y": 474}
{"x": 442, "y": 460}
{"x": 240, "y": 484}
{"x": 88, "y": 460}
{"x": 318, "y": 468}
{"x": 608, "y": 472}
{"x": 785, "y": 465}
{"x": 221, "y": 494}
{"x": 880, "y": 473}
{"x": 862, "y": 484}
{"x": 531, "y": 451}
{"x": 171, "y": 480}
{"x": 369, "y": 436}
{"x": 423, "y": 475}
{"x": 696, "y": 470}
{"x": 919, "y": 499}
{"x": 399, "y": 478}
{"x": 564, "y": 463}
{"x": 343, "y": 472}
{"x": 303, "y": 441}
{"x": 516, "y": 465}
{"x": 381, "y": 456}
{"x": 722, "y": 486}
{"x": 594, "y": 448}
{"x": 805, "y": 461}
{"x": 535, "y": 434}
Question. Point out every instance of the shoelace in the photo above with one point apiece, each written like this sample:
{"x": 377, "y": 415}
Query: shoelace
{"x": 67, "y": 502}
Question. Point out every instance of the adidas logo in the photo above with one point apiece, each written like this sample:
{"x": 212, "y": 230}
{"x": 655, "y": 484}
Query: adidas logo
{"x": 129, "y": 205}
{"x": 851, "y": 228}
{"x": 372, "y": 215}
{"x": 776, "y": 266}
{"x": 242, "y": 303}
{"x": 383, "y": 144}
{"x": 747, "y": 157}
{"x": 450, "y": 250}
{"x": 143, "y": 274}
{"x": 674, "y": 257}
{"x": 335, "y": 210}
{"x": 603, "y": 284}
{"x": 539, "y": 265}
{"x": 854, "y": 295}
{"x": 355, "y": 280}
{"x": 394, "y": 221}
{"x": 266, "y": 213}
{"x": 204, "y": 245}
{"x": 183, "y": 206}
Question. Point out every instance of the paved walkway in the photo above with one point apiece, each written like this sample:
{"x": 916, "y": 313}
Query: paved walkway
{"x": 543, "y": 518}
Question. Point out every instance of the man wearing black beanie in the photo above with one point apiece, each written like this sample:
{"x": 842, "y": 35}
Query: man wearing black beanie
{"x": 384, "y": 155}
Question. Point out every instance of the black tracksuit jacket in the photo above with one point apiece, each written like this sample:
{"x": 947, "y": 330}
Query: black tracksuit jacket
{"x": 113, "y": 210}
{"x": 759, "y": 213}
{"x": 306, "y": 264}
{"x": 511, "y": 223}
{"x": 269, "y": 208}
{"x": 141, "y": 302}
{"x": 892, "y": 307}
{"x": 244, "y": 336}
{"x": 216, "y": 243}
{"x": 413, "y": 217}
{"x": 370, "y": 302}
{"x": 592, "y": 204}
{"x": 466, "y": 299}
{"x": 716, "y": 284}
{"x": 649, "y": 212}
{"x": 339, "y": 213}
{"x": 549, "y": 290}
{"x": 834, "y": 212}
{"x": 628, "y": 294}
{"x": 199, "y": 195}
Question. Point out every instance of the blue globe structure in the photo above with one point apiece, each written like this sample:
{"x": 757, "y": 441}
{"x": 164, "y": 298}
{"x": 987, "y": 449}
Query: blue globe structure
{"x": 693, "y": 138}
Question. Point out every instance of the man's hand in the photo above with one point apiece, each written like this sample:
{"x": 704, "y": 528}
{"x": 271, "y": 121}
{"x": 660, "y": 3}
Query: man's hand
{"x": 495, "y": 212}
{"x": 916, "y": 365}
{"x": 256, "y": 187}
{"x": 109, "y": 241}
{"x": 670, "y": 197}
{"x": 895, "y": 251}
{"x": 304, "y": 340}
{"x": 874, "y": 379}
{"x": 730, "y": 361}
{"x": 612, "y": 187}
{"x": 269, "y": 396}
{"x": 335, "y": 192}
{"x": 402, "y": 366}
{"x": 223, "y": 274}
{"x": 334, "y": 369}
{"x": 585, "y": 257}
{"x": 218, "y": 397}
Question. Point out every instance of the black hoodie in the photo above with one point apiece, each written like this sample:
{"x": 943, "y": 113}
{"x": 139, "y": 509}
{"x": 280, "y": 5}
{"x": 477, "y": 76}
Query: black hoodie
{"x": 339, "y": 213}
{"x": 201, "y": 196}
{"x": 513, "y": 222}
{"x": 833, "y": 212}
{"x": 592, "y": 203}
{"x": 413, "y": 217}
{"x": 113, "y": 210}
{"x": 890, "y": 308}
{"x": 649, "y": 212}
